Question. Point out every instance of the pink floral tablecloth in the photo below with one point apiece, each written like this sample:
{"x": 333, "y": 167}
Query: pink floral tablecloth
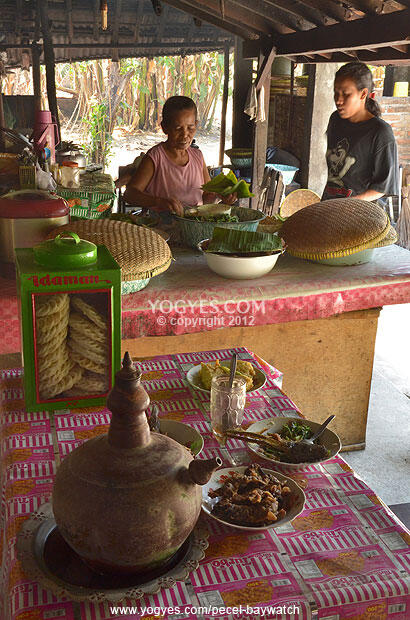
{"x": 190, "y": 298}
{"x": 346, "y": 556}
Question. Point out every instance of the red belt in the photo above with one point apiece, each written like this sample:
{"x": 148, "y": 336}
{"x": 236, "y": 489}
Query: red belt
{"x": 338, "y": 191}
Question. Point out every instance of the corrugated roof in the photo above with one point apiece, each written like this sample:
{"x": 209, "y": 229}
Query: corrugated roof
{"x": 376, "y": 31}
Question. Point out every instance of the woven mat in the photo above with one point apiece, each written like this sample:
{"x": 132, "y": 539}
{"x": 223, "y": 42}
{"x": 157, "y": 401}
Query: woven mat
{"x": 140, "y": 252}
{"x": 296, "y": 200}
{"x": 333, "y": 228}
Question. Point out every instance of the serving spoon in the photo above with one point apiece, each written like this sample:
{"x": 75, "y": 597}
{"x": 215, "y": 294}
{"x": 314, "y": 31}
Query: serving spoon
{"x": 320, "y": 430}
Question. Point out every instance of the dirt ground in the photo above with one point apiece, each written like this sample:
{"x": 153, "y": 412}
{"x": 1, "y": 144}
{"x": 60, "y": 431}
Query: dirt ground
{"x": 127, "y": 146}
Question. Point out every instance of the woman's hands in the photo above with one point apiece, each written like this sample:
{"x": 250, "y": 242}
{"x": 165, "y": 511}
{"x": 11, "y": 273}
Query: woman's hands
{"x": 173, "y": 205}
{"x": 229, "y": 199}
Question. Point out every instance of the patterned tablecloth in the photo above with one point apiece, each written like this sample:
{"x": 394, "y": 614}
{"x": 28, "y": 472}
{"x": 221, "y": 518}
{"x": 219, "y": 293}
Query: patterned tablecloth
{"x": 345, "y": 556}
{"x": 190, "y": 298}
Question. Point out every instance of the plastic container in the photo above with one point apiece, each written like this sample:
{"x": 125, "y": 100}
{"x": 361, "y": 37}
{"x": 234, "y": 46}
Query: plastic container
{"x": 70, "y": 174}
{"x": 288, "y": 172}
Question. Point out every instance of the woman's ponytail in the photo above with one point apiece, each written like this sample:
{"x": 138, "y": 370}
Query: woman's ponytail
{"x": 361, "y": 75}
{"x": 372, "y": 106}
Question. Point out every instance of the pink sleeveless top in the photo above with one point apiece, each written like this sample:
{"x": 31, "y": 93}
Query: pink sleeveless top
{"x": 173, "y": 181}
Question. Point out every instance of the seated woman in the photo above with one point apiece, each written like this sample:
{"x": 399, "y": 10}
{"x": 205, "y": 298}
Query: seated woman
{"x": 171, "y": 173}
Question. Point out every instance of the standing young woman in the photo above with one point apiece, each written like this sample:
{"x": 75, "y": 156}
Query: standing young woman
{"x": 361, "y": 149}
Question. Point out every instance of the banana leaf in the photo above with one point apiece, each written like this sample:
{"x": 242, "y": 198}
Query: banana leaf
{"x": 232, "y": 241}
{"x": 224, "y": 184}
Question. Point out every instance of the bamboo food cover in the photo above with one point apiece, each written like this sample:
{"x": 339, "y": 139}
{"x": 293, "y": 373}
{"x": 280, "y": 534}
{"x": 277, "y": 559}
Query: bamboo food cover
{"x": 335, "y": 228}
{"x": 140, "y": 252}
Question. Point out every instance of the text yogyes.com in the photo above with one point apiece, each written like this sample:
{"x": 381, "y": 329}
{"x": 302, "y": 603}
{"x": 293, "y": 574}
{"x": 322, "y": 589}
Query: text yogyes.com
{"x": 208, "y": 306}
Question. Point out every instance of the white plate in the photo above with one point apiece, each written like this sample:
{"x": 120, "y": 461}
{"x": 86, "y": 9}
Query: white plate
{"x": 216, "y": 481}
{"x": 193, "y": 378}
{"x": 329, "y": 439}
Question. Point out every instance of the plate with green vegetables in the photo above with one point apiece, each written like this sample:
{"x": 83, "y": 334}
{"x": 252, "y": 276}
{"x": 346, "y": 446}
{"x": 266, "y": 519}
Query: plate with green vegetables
{"x": 292, "y": 430}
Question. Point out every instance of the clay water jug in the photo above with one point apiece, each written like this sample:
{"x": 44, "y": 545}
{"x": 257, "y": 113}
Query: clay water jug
{"x": 127, "y": 500}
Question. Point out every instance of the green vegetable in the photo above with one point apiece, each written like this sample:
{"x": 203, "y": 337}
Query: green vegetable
{"x": 217, "y": 218}
{"x": 296, "y": 431}
{"x": 196, "y": 446}
{"x": 232, "y": 241}
{"x": 225, "y": 184}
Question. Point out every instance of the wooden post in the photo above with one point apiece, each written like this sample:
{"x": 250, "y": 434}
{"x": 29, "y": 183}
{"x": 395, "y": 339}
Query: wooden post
{"x": 2, "y": 119}
{"x": 35, "y": 61}
{"x": 260, "y": 136}
{"x": 49, "y": 62}
{"x": 224, "y": 106}
{"x": 242, "y": 129}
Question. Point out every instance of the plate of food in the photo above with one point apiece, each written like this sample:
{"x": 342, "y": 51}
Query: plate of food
{"x": 252, "y": 498}
{"x": 292, "y": 430}
{"x": 200, "y": 376}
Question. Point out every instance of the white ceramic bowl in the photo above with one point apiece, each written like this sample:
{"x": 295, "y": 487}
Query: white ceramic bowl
{"x": 238, "y": 267}
{"x": 328, "y": 438}
{"x": 183, "y": 434}
{"x": 298, "y": 498}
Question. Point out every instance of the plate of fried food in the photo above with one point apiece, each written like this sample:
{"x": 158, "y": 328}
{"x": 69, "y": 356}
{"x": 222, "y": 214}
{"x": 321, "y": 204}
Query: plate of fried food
{"x": 252, "y": 498}
{"x": 289, "y": 432}
{"x": 200, "y": 376}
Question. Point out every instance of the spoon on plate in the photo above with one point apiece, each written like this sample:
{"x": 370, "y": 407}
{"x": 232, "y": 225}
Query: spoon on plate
{"x": 320, "y": 430}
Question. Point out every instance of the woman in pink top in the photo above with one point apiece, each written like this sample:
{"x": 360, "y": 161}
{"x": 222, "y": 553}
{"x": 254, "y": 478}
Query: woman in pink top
{"x": 172, "y": 172}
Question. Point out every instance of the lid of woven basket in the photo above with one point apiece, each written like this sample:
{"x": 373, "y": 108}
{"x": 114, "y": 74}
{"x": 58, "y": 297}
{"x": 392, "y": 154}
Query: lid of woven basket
{"x": 296, "y": 200}
{"x": 140, "y": 252}
{"x": 338, "y": 227}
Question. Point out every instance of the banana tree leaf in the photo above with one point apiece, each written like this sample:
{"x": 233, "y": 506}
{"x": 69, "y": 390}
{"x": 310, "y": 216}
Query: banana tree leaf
{"x": 225, "y": 184}
{"x": 241, "y": 188}
{"x": 232, "y": 241}
{"x": 218, "y": 183}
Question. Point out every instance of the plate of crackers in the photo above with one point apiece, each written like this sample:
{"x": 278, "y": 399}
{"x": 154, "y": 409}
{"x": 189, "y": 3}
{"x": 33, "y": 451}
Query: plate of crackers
{"x": 200, "y": 376}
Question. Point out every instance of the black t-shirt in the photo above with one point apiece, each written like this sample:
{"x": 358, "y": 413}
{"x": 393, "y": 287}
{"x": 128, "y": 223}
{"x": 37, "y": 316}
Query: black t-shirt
{"x": 360, "y": 156}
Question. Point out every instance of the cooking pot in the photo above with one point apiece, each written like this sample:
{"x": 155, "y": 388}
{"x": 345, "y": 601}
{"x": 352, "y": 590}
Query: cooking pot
{"x": 72, "y": 155}
{"x": 26, "y": 218}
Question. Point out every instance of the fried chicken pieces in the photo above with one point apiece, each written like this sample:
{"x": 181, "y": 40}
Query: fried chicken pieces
{"x": 253, "y": 498}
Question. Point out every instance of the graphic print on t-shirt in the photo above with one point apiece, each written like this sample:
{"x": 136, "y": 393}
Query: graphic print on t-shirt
{"x": 339, "y": 162}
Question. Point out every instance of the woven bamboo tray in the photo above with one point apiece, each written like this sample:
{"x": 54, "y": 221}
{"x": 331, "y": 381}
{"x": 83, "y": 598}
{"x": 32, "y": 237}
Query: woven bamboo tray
{"x": 336, "y": 228}
{"x": 140, "y": 252}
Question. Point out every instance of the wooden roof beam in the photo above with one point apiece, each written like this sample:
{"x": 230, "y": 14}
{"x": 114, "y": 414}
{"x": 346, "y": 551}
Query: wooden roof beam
{"x": 383, "y": 55}
{"x": 232, "y": 15}
{"x": 212, "y": 17}
{"x": 374, "y": 31}
{"x": 270, "y": 12}
{"x": 403, "y": 49}
{"x": 335, "y": 10}
{"x": 367, "y": 6}
{"x": 300, "y": 10}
